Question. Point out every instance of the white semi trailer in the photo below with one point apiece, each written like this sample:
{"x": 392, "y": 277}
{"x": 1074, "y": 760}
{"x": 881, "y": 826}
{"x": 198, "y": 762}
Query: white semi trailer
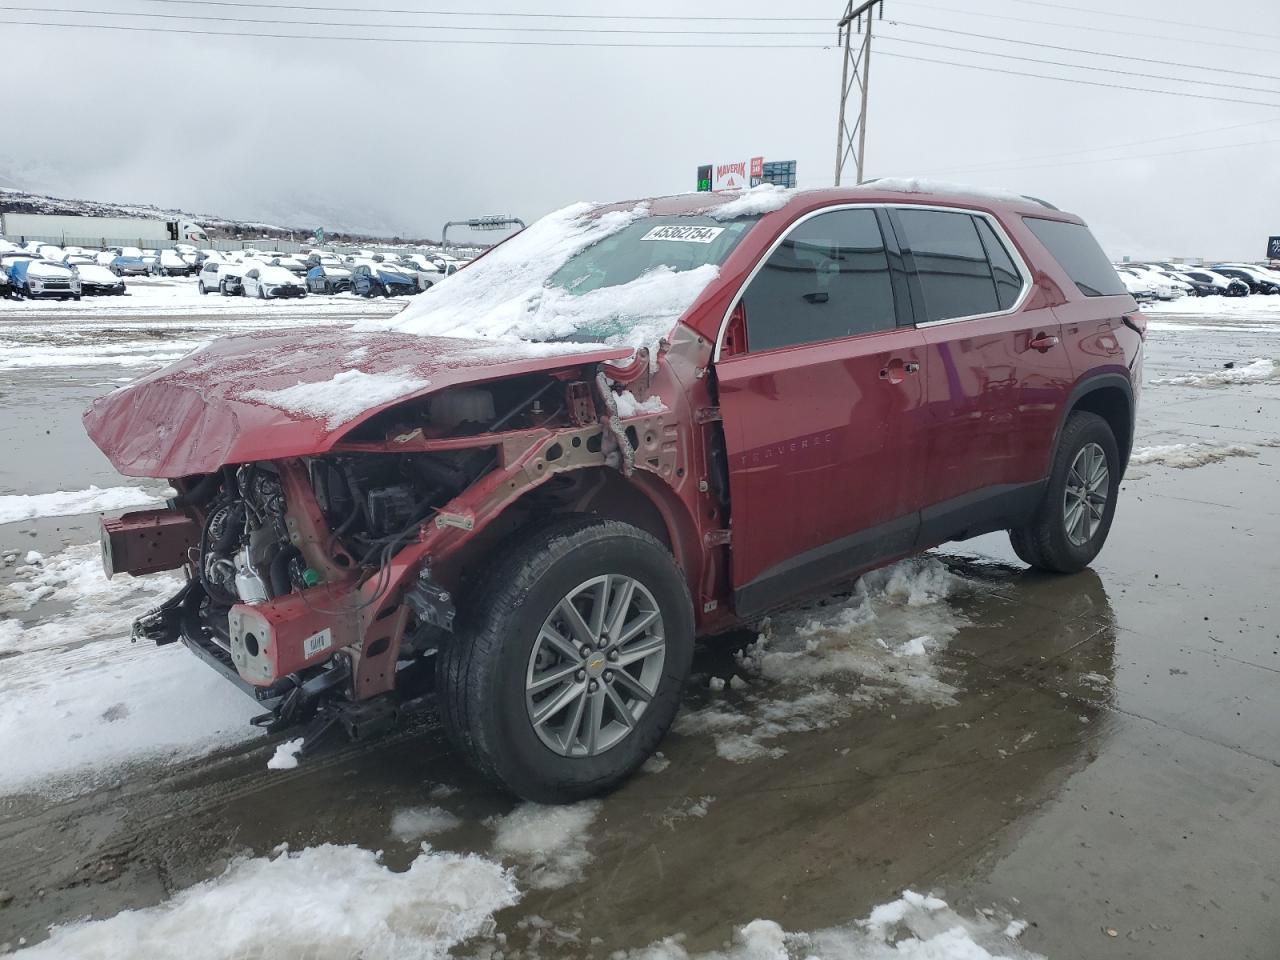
{"x": 99, "y": 231}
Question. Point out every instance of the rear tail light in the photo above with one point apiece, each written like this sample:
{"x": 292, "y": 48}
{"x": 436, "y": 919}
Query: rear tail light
{"x": 735, "y": 334}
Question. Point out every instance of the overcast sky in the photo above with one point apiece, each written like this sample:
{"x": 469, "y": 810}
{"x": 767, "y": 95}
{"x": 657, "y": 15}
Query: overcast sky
{"x": 401, "y": 137}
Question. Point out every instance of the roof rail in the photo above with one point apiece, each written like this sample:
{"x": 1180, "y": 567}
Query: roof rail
{"x": 1043, "y": 203}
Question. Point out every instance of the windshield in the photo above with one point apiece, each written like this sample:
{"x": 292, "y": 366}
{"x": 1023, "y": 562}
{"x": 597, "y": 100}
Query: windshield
{"x": 676, "y": 243}
{"x": 617, "y": 277}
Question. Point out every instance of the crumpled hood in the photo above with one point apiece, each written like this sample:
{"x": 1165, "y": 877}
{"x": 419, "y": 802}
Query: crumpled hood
{"x": 276, "y": 394}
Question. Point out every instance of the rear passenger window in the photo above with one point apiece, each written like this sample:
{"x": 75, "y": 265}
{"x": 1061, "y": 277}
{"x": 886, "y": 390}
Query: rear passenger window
{"x": 1078, "y": 253}
{"x": 950, "y": 263}
{"x": 829, "y": 278}
{"x": 1008, "y": 279}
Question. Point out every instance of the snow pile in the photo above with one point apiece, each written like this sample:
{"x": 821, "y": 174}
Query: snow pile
{"x": 1258, "y": 370}
{"x": 762, "y": 199}
{"x": 93, "y": 606}
{"x": 504, "y": 295}
{"x": 549, "y": 843}
{"x": 96, "y": 699}
{"x": 821, "y": 662}
{"x": 341, "y": 398}
{"x": 915, "y": 927}
{"x": 69, "y": 503}
{"x": 15, "y": 355}
{"x": 286, "y": 755}
{"x": 926, "y": 185}
{"x": 414, "y": 823}
{"x": 629, "y": 406}
{"x": 326, "y": 903}
{"x": 1186, "y": 455}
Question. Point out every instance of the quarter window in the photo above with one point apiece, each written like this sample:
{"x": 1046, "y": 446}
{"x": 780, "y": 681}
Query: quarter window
{"x": 829, "y": 278}
{"x": 1078, "y": 253}
{"x": 950, "y": 264}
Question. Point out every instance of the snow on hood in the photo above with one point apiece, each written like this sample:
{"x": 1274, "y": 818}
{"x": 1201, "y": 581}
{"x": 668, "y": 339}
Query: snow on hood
{"x": 276, "y": 275}
{"x": 504, "y": 296}
{"x": 47, "y": 268}
{"x": 96, "y": 274}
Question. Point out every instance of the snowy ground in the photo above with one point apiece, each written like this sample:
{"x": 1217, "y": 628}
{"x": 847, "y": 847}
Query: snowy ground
{"x": 949, "y": 725}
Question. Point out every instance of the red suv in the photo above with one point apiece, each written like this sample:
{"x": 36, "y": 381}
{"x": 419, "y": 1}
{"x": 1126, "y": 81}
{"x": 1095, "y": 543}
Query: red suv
{"x": 624, "y": 427}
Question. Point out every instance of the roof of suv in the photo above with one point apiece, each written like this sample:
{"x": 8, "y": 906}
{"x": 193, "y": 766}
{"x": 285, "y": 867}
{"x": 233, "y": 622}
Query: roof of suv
{"x": 875, "y": 191}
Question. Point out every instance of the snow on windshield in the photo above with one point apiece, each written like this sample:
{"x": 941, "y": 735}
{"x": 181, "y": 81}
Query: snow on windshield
{"x": 506, "y": 295}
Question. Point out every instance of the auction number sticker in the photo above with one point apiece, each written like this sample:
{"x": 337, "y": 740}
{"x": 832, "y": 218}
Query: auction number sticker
{"x": 317, "y": 642}
{"x": 684, "y": 234}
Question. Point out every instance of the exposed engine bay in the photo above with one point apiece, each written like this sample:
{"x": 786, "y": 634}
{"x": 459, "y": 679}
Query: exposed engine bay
{"x": 311, "y": 580}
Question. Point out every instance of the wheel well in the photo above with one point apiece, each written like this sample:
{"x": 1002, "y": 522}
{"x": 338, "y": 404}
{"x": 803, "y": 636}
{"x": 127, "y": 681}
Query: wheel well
{"x": 1112, "y": 405}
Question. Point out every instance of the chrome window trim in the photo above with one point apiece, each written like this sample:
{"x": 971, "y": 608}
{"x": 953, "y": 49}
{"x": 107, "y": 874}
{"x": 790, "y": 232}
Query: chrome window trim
{"x": 1023, "y": 268}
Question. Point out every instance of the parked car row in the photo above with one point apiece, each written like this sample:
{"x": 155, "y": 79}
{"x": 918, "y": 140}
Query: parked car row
{"x": 1170, "y": 280}
{"x": 269, "y": 275}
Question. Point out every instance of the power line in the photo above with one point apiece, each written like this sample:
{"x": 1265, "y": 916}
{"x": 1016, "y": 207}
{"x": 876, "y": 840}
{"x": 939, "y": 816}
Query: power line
{"x": 485, "y": 28}
{"x": 1080, "y": 66}
{"x": 473, "y": 13}
{"x": 1140, "y": 156}
{"x": 1088, "y": 83}
{"x": 417, "y": 40}
{"x": 1003, "y": 164}
{"x": 1146, "y": 19}
{"x": 1093, "y": 53}
{"x": 1089, "y": 27}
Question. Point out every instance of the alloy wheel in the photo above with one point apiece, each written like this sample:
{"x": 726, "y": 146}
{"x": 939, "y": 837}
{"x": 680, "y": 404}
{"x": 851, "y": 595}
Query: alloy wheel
{"x": 595, "y": 666}
{"x": 1084, "y": 501}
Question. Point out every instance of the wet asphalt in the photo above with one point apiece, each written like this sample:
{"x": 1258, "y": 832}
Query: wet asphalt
{"x": 1109, "y": 770}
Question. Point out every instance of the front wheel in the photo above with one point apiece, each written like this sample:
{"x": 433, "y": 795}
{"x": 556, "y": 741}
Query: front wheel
{"x": 567, "y": 667}
{"x": 1071, "y": 524}
{"x": 201, "y": 287}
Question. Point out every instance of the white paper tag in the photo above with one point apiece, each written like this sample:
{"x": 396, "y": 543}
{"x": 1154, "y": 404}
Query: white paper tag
{"x": 684, "y": 234}
{"x": 317, "y": 642}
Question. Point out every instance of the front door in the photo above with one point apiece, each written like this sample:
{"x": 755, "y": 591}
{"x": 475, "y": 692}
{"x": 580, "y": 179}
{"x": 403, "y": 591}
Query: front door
{"x": 823, "y": 413}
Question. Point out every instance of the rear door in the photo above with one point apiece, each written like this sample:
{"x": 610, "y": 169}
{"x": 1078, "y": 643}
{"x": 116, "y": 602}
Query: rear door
{"x": 822, "y": 404}
{"x": 998, "y": 371}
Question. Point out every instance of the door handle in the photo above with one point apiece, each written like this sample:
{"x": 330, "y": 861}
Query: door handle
{"x": 1043, "y": 342}
{"x": 896, "y": 368}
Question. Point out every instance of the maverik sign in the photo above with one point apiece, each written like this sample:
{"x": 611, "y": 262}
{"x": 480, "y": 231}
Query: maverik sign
{"x": 736, "y": 175}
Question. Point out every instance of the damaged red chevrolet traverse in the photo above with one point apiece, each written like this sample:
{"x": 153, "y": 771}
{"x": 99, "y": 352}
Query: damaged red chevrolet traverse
{"x": 626, "y": 426}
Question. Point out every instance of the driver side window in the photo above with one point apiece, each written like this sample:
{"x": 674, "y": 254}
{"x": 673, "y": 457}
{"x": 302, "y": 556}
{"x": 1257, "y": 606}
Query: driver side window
{"x": 828, "y": 279}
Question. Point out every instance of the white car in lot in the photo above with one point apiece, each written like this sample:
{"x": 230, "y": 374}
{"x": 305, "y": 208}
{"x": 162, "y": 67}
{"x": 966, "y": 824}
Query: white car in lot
{"x": 269, "y": 282}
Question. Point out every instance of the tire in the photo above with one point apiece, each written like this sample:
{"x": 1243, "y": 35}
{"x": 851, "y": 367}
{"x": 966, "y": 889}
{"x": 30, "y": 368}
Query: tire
{"x": 201, "y": 287}
{"x": 76, "y": 298}
{"x": 1046, "y": 542}
{"x": 483, "y": 668}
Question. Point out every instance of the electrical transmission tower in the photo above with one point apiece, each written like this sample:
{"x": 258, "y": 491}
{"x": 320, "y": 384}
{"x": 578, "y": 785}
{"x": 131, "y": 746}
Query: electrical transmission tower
{"x": 852, "y": 142}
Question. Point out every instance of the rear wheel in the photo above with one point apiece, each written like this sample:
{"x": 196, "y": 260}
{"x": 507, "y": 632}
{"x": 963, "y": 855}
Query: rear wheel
{"x": 1072, "y": 522}
{"x": 201, "y": 287}
{"x": 568, "y": 664}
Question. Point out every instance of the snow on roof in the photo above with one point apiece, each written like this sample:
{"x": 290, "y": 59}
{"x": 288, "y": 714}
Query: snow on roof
{"x": 927, "y": 185}
{"x": 504, "y": 296}
{"x": 342, "y": 398}
{"x": 765, "y": 198}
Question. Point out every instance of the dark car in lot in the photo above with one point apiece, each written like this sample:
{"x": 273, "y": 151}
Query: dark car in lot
{"x": 382, "y": 280}
{"x": 1256, "y": 282}
{"x": 126, "y": 265}
{"x": 325, "y": 278}
{"x": 541, "y": 526}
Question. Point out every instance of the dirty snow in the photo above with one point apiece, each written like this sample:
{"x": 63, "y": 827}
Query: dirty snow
{"x": 324, "y": 903}
{"x": 548, "y": 843}
{"x": 341, "y": 398}
{"x": 503, "y": 296}
{"x": 817, "y": 664}
{"x": 98, "y": 700}
{"x": 67, "y": 503}
{"x": 286, "y": 755}
{"x": 1185, "y": 455}
{"x": 1257, "y": 370}
{"x": 759, "y": 200}
{"x": 915, "y": 927}
{"x": 629, "y": 406}
{"x": 414, "y": 823}
{"x": 17, "y": 356}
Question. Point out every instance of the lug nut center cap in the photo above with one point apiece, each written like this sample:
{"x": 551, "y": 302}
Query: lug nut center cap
{"x": 595, "y": 665}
